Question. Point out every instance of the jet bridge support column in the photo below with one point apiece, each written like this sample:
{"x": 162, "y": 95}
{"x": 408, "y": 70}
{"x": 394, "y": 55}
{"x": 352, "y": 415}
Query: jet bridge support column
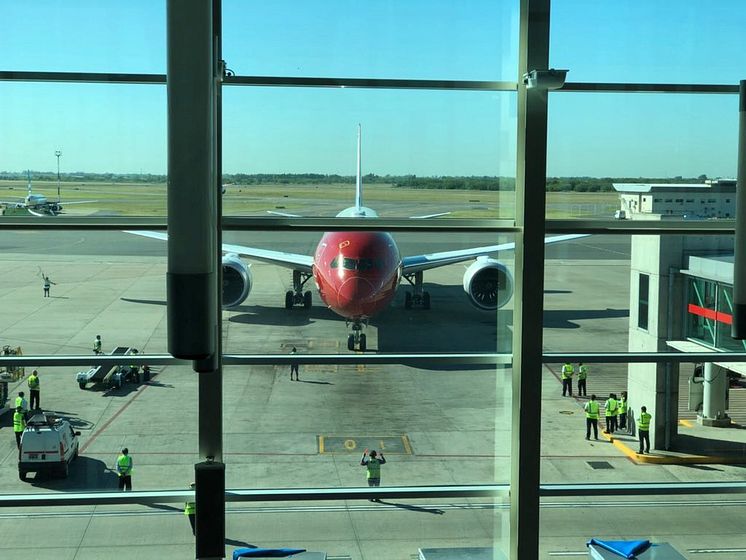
{"x": 713, "y": 400}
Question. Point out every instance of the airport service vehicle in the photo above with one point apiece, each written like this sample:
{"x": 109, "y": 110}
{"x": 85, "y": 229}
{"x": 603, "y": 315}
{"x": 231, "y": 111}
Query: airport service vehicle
{"x": 357, "y": 272}
{"x": 113, "y": 376}
{"x": 48, "y": 444}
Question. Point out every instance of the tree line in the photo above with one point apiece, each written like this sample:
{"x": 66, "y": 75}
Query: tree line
{"x": 477, "y": 183}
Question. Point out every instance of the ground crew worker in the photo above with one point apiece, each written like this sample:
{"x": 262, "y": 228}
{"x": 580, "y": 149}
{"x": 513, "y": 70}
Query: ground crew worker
{"x": 591, "y": 417}
{"x": 21, "y": 402}
{"x": 19, "y": 424}
{"x": 294, "y": 366}
{"x": 582, "y": 376}
{"x": 97, "y": 345}
{"x": 124, "y": 470}
{"x": 567, "y": 373}
{"x": 373, "y": 464}
{"x": 34, "y": 386}
{"x": 190, "y": 510}
{"x": 622, "y": 405}
{"x": 643, "y": 428}
{"x": 610, "y": 411}
{"x": 47, "y": 283}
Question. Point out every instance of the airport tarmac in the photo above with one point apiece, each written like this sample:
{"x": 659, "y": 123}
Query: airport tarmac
{"x": 436, "y": 426}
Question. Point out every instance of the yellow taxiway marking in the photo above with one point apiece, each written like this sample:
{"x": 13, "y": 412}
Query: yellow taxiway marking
{"x": 686, "y": 423}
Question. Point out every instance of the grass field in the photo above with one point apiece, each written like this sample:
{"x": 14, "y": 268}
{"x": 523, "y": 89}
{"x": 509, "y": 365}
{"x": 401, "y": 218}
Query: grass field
{"x": 142, "y": 199}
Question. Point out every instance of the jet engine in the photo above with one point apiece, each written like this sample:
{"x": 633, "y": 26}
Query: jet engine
{"x": 488, "y": 283}
{"x": 237, "y": 281}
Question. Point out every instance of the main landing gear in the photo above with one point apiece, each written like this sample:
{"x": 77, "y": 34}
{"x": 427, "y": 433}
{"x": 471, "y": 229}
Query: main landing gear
{"x": 297, "y": 296}
{"x": 418, "y": 297}
{"x": 357, "y": 338}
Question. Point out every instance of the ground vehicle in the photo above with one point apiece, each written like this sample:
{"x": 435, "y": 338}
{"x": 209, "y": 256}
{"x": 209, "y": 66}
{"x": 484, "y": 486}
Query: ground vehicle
{"x": 48, "y": 444}
{"x": 114, "y": 376}
{"x": 620, "y": 215}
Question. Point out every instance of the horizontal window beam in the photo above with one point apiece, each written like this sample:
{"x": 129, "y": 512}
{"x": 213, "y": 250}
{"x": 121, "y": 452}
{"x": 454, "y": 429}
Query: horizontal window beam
{"x": 619, "y": 87}
{"x": 372, "y": 359}
{"x": 642, "y": 227}
{"x": 642, "y": 489}
{"x": 83, "y": 77}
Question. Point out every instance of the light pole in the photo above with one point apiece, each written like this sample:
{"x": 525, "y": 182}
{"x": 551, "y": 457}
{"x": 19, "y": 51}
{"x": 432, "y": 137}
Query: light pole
{"x": 58, "y": 153}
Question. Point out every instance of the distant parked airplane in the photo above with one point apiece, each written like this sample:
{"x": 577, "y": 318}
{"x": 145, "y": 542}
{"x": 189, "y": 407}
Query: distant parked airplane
{"x": 38, "y": 204}
{"x": 357, "y": 272}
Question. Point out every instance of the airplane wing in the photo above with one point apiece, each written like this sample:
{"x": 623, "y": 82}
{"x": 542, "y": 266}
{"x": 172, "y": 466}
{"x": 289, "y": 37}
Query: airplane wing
{"x": 417, "y": 263}
{"x": 294, "y": 261}
{"x": 68, "y": 203}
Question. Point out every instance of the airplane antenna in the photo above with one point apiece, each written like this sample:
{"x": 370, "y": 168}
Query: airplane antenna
{"x": 359, "y": 182}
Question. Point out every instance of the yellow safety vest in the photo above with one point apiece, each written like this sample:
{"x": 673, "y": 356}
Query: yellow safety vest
{"x": 567, "y": 371}
{"x": 20, "y": 402}
{"x": 623, "y": 406}
{"x": 591, "y": 410}
{"x": 19, "y": 421}
{"x": 190, "y": 508}
{"x": 582, "y": 373}
{"x": 33, "y": 382}
{"x": 124, "y": 465}
{"x": 644, "y": 422}
{"x": 374, "y": 468}
{"x": 611, "y": 409}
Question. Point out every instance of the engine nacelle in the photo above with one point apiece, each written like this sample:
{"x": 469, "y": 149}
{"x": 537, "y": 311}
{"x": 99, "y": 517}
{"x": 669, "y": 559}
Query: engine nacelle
{"x": 237, "y": 281}
{"x": 488, "y": 283}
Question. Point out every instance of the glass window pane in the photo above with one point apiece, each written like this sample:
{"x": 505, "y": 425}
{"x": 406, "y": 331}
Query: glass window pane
{"x": 294, "y": 151}
{"x": 596, "y": 140}
{"x": 88, "y": 36}
{"x": 273, "y": 301}
{"x": 414, "y": 40}
{"x": 657, "y": 42}
{"x": 111, "y": 141}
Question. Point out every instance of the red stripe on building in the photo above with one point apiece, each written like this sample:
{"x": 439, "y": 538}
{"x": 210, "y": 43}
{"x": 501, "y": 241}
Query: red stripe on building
{"x": 711, "y": 314}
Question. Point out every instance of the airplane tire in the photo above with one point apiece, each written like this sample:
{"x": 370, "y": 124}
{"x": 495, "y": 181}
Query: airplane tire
{"x": 363, "y": 343}
{"x": 351, "y": 342}
{"x": 307, "y": 300}
{"x": 426, "y": 300}
{"x": 407, "y": 300}
{"x": 288, "y": 300}
{"x": 22, "y": 475}
{"x": 81, "y": 385}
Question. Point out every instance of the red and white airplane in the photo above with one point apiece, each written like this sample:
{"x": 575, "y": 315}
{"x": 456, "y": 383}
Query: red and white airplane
{"x": 357, "y": 273}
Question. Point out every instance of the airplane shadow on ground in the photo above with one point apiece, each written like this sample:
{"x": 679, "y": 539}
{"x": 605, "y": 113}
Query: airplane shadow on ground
{"x": 261, "y": 315}
{"x": 145, "y": 301}
{"x": 85, "y": 473}
{"x": 564, "y": 318}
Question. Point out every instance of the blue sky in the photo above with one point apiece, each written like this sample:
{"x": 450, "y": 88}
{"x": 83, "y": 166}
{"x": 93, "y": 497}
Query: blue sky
{"x": 123, "y": 128}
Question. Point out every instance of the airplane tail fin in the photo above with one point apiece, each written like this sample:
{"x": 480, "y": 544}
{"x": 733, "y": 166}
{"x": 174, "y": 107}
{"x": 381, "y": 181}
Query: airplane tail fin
{"x": 359, "y": 181}
{"x": 28, "y": 184}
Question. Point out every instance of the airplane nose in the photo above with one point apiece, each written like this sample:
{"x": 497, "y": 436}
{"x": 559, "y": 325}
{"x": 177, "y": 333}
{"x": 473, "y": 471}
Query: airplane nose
{"x": 354, "y": 292}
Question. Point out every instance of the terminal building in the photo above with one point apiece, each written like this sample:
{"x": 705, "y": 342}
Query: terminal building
{"x": 681, "y": 299}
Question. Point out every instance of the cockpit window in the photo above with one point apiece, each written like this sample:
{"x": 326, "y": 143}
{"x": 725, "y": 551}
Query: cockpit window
{"x": 362, "y": 265}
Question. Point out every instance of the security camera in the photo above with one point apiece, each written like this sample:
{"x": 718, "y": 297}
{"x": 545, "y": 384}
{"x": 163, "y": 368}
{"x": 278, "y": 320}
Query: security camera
{"x": 545, "y": 79}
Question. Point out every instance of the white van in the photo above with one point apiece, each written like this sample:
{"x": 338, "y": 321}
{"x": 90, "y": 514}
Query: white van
{"x": 48, "y": 444}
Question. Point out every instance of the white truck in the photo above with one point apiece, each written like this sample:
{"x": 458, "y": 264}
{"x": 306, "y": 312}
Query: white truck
{"x": 48, "y": 444}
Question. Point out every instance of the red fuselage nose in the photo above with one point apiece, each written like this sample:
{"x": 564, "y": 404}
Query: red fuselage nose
{"x": 356, "y": 272}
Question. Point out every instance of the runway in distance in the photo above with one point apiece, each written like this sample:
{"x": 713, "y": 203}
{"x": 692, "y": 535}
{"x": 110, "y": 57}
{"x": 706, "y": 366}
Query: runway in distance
{"x": 38, "y": 204}
{"x": 357, "y": 273}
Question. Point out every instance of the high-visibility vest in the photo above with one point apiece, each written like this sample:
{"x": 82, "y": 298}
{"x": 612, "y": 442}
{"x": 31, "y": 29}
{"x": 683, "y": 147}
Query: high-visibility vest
{"x": 644, "y": 422}
{"x": 374, "y": 468}
{"x": 591, "y": 410}
{"x": 567, "y": 371}
{"x": 124, "y": 465}
{"x": 190, "y": 508}
{"x": 611, "y": 408}
{"x": 623, "y": 406}
{"x": 19, "y": 421}
{"x": 97, "y": 344}
{"x": 20, "y": 401}
{"x": 582, "y": 373}
{"x": 33, "y": 382}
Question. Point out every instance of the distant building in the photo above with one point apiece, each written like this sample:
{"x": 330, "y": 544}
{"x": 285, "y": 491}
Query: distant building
{"x": 650, "y": 201}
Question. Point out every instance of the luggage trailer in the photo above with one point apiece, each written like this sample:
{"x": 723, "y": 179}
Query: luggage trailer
{"x": 113, "y": 375}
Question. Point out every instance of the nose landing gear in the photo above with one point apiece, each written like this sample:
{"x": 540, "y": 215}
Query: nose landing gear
{"x": 357, "y": 338}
